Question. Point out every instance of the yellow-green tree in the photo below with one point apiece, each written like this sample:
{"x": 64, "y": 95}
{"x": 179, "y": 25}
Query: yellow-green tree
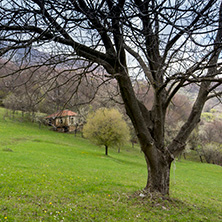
{"x": 106, "y": 127}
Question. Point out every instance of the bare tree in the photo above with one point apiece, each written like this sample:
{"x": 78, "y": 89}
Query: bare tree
{"x": 170, "y": 43}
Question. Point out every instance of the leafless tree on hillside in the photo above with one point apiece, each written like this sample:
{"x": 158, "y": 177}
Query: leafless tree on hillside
{"x": 169, "y": 43}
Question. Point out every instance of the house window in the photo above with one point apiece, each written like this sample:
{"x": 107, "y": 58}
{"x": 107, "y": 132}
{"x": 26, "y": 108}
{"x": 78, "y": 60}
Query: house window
{"x": 72, "y": 120}
{"x": 61, "y": 121}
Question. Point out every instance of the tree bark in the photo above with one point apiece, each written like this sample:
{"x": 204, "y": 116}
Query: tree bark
{"x": 106, "y": 150}
{"x": 201, "y": 160}
{"x": 158, "y": 180}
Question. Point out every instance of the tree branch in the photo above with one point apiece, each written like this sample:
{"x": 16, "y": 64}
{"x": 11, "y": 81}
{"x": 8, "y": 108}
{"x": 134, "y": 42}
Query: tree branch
{"x": 195, "y": 114}
{"x": 80, "y": 49}
{"x": 93, "y": 18}
{"x": 186, "y": 29}
{"x": 141, "y": 62}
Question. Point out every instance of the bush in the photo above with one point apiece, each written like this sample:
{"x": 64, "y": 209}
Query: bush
{"x": 213, "y": 153}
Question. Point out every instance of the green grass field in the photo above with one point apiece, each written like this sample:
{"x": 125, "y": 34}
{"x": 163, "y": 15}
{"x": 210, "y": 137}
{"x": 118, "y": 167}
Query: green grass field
{"x": 50, "y": 176}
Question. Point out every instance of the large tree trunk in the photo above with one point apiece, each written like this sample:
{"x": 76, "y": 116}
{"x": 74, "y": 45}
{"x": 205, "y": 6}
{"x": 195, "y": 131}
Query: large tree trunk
{"x": 158, "y": 180}
{"x": 157, "y": 158}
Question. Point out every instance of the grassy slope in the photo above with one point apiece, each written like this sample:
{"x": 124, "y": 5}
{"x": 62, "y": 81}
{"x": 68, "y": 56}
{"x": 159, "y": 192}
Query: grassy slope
{"x": 52, "y": 176}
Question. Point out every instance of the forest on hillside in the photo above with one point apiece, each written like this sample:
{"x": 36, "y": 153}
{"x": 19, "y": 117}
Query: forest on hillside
{"x": 48, "y": 89}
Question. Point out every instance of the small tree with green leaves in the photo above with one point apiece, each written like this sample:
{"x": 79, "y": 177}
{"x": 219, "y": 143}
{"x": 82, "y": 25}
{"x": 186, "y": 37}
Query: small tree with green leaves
{"x": 106, "y": 127}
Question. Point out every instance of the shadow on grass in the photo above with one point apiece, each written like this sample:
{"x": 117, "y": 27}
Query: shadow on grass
{"x": 121, "y": 161}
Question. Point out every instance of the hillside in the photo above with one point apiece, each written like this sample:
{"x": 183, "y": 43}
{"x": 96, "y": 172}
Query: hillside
{"x": 191, "y": 92}
{"x": 50, "y": 176}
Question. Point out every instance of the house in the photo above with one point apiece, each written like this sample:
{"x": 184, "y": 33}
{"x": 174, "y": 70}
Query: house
{"x": 63, "y": 121}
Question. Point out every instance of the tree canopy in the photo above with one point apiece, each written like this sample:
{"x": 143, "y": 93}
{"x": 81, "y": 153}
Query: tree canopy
{"x": 106, "y": 127}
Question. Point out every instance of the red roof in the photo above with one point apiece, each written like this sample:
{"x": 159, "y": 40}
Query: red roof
{"x": 62, "y": 114}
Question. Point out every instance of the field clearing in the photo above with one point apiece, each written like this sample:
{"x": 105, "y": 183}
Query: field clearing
{"x": 50, "y": 176}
